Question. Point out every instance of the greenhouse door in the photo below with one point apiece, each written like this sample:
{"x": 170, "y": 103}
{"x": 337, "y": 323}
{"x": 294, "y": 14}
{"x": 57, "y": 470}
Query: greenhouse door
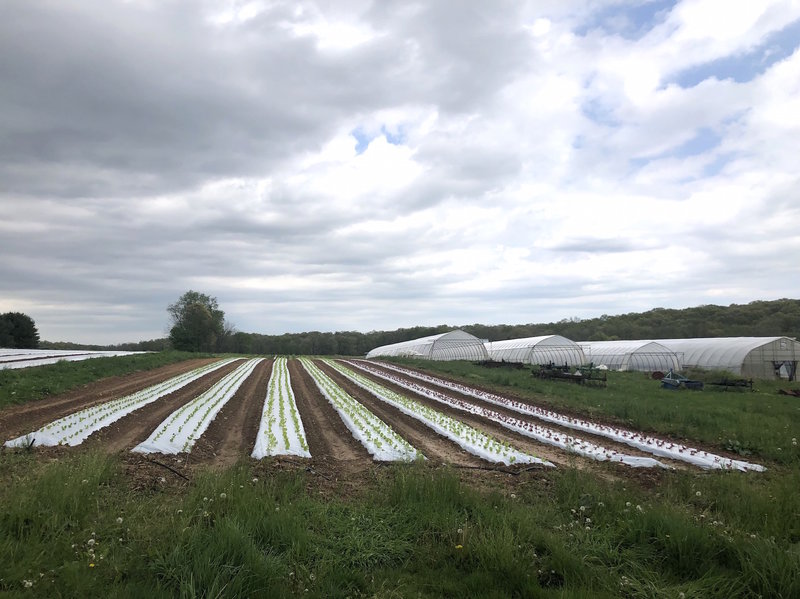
{"x": 789, "y": 367}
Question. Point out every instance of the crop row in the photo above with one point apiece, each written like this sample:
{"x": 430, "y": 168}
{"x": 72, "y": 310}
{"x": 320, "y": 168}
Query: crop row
{"x": 470, "y": 439}
{"x": 647, "y": 443}
{"x": 75, "y": 428}
{"x": 379, "y": 439}
{"x": 281, "y": 431}
{"x": 183, "y": 427}
{"x": 542, "y": 434}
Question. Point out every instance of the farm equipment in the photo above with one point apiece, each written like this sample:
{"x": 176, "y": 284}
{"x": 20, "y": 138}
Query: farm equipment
{"x": 585, "y": 374}
{"x": 673, "y": 380}
{"x": 735, "y": 384}
{"x": 500, "y": 364}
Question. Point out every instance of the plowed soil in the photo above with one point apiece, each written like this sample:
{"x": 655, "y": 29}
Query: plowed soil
{"x": 233, "y": 432}
{"x": 431, "y": 444}
{"x": 336, "y": 455}
{"x": 129, "y": 431}
{"x": 22, "y": 419}
{"x": 328, "y": 438}
{"x": 550, "y": 452}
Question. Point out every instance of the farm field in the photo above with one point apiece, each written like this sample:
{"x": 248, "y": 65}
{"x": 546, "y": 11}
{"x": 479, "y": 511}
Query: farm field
{"x": 27, "y": 358}
{"x": 382, "y": 480}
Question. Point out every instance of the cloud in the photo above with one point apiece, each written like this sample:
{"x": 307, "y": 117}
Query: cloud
{"x": 372, "y": 165}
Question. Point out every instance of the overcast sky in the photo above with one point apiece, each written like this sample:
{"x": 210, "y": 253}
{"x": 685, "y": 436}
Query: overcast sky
{"x": 354, "y": 165}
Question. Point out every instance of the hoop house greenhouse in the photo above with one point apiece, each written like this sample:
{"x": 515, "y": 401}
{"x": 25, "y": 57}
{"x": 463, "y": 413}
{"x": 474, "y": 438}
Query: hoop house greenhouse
{"x": 643, "y": 356}
{"x": 537, "y": 350}
{"x": 754, "y": 357}
{"x": 455, "y": 345}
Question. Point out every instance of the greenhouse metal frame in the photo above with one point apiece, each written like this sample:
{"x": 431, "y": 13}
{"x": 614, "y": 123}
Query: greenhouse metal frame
{"x": 639, "y": 355}
{"x": 545, "y": 349}
{"x": 454, "y": 345}
{"x": 753, "y": 357}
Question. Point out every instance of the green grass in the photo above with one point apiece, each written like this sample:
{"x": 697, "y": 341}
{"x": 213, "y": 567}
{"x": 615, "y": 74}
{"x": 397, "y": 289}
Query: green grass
{"x": 413, "y": 532}
{"x": 29, "y": 384}
{"x": 419, "y": 531}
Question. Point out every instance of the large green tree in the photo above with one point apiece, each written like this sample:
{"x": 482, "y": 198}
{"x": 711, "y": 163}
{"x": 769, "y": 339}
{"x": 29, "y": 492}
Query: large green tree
{"x": 17, "y": 330}
{"x": 197, "y": 322}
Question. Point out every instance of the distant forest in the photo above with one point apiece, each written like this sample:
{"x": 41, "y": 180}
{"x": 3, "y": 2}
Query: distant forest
{"x": 756, "y": 319}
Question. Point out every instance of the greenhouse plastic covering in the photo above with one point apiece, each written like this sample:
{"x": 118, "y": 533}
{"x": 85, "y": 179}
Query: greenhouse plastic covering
{"x": 455, "y": 345}
{"x": 731, "y": 353}
{"x": 643, "y": 355}
{"x": 537, "y": 350}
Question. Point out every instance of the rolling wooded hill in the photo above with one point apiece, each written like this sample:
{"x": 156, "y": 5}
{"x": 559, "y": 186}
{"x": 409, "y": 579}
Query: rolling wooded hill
{"x": 757, "y": 319}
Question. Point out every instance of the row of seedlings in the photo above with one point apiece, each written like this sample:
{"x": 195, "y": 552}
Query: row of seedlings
{"x": 75, "y": 428}
{"x": 281, "y": 431}
{"x": 179, "y": 431}
{"x": 468, "y": 438}
{"x": 379, "y": 439}
{"x": 647, "y": 443}
{"x": 545, "y": 435}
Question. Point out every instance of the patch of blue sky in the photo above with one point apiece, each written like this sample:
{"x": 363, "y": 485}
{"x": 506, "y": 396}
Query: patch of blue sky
{"x": 703, "y": 141}
{"x": 747, "y": 66}
{"x": 362, "y": 140}
{"x": 395, "y": 137}
{"x": 715, "y": 166}
{"x": 629, "y": 20}
{"x": 599, "y": 112}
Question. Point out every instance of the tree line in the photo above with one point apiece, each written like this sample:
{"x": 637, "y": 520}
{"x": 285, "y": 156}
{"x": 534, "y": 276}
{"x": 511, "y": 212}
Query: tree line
{"x": 198, "y": 324}
{"x": 756, "y": 319}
